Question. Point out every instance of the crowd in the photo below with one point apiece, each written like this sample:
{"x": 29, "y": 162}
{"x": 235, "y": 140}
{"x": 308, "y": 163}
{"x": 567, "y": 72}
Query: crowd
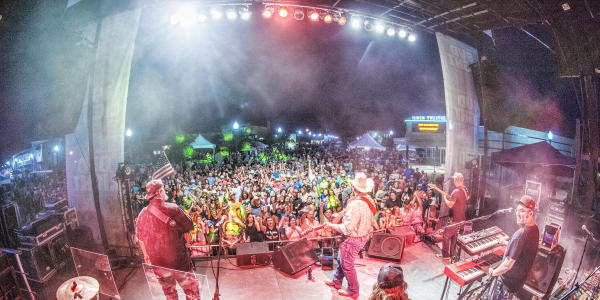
{"x": 31, "y": 191}
{"x": 281, "y": 198}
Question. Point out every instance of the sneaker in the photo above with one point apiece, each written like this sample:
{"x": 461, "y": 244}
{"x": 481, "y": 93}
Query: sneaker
{"x": 332, "y": 284}
{"x": 347, "y": 293}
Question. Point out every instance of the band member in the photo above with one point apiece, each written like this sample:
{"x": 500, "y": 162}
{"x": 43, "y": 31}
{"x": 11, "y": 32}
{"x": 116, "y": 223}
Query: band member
{"x": 160, "y": 230}
{"x": 457, "y": 202}
{"x": 357, "y": 225}
{"x": 520, "y": 253}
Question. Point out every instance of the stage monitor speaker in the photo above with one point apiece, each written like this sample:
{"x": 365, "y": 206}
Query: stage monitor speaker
{"x": 386, "y": 246}
{"x": 544, "y": 272}
{"x": 59, "y": 249}
{"x": 38, "y": 263}
{"x": 248, "y": 254}
{"x": 294, "y": 257}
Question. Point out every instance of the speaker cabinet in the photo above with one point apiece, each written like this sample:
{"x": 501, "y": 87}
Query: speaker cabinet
{"x": 294, "y": 257}
{"x": 544, "y": 272}
{"x": 248, "y": 254}
{"x": 37, "y": 262}
{"x": 386, "y": 246}
{"x": 9, "y": 221}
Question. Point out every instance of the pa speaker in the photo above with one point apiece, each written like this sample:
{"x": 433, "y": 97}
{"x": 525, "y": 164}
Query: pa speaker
{"x": 386, "y": 246}
{"x": 294, "y": 257}
{"x": 544, "y": 272}
{"x": 38, "y": 263}
{"x": 248, "y": 254}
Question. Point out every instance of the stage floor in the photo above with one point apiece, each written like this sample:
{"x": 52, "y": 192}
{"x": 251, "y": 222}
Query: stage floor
{"x": 423, "y": 272}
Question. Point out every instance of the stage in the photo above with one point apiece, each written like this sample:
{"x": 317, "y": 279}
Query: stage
{"x": 423, "y": 272}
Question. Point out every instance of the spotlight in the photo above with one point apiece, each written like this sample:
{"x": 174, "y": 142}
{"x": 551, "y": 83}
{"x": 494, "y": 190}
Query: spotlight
{"x": 245, "y": 14}
{"x": 342, "y": 21}
{"x": 216, "y": 14}
{"x": 368, "y": 25}
{"x": 328, "y": 18}
{"x": 356, "y": 22}
{"x": 379, "y": 27}
{"x": 314, "y": 16}
{"x": 299, "y": 132}
{"x": 565, "y": 6}
{"x": 236, "y": 125}
{"x": 187, "y": 18}
{"x": 299, "y": 14}
{"x": 279, "y": 130}
{"x": 128, "y": 132}
{"x": 268, "y": 12}
{"x": 391, "y": 31}
{"x": 283, "y": 12}
{"x": 231, "y": 14}
{"x": 412, "y": 37}
{"x": 202, "y": 17}
{"x": 402, "y": 33}
{"x": 56, "y": 148}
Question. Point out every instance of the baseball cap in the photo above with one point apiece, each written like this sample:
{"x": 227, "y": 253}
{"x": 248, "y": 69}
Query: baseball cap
{"x": 390, "y": 276}
{"x": 527, "y": 202}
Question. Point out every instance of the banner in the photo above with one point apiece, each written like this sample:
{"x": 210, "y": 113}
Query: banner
{"x": 111, "y": 82}
{"x": 462, "y": 110}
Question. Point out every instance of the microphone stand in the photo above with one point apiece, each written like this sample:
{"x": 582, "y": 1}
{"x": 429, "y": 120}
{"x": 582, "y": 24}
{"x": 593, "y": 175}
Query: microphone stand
{"x": 216, "y": 296}
{"x": 578, "y": 285}
{"x": 587, "y": 237}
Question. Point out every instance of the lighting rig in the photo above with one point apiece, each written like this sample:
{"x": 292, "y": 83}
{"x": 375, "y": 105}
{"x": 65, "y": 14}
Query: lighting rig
{"x": 270, "y": 10}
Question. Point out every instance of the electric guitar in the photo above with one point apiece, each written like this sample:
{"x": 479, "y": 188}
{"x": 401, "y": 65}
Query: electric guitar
{"x": 335, "y": 220}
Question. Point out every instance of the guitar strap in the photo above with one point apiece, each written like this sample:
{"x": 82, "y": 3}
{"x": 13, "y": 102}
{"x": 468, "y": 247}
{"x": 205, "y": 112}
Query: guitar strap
{"x": 370, "y": 203}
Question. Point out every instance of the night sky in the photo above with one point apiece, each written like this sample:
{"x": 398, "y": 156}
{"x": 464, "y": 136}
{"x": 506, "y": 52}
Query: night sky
{"x": 292, "y": 73}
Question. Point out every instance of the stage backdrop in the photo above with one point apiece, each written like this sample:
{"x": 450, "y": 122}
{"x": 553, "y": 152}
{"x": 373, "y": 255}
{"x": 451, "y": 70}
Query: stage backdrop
{"x": 111, "y": 82}
{"x": 462, "y": 110}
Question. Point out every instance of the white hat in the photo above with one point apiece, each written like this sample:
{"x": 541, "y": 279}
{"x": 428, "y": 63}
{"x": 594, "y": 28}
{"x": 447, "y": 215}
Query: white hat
{"x": 361, "y": 183}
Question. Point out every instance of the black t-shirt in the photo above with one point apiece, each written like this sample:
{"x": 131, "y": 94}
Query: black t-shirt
{"x": 254, "y": 234}
{"x": 522, "y": 247}
{"x": 459, "y": 210}
{"x": 389, "y": 203}
{"x": 271, "y": 234}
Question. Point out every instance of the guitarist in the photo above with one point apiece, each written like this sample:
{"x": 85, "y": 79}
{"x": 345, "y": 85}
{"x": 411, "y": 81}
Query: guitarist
{"x": 457, "y": 202}
{"x": 357, "y": 226}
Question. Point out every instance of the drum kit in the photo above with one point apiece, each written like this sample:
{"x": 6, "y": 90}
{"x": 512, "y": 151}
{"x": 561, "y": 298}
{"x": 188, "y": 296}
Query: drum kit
{"x": 79, "y": 288}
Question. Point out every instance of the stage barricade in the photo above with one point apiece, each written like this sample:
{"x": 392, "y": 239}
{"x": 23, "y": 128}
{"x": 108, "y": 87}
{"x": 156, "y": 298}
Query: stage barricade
{"x": 161, "y": 280}
{"x": 97, "y": 266}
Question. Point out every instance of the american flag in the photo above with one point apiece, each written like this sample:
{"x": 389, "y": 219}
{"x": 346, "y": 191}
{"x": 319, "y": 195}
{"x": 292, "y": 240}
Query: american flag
{"x": 162, "y": 167}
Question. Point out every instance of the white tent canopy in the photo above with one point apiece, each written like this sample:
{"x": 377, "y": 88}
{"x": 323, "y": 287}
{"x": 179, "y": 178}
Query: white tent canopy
{"x": 366, "y": 142}
{"x": 201, "y": 143}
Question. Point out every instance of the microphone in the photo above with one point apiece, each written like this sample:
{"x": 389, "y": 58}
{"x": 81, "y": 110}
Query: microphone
{"x": 588, "y": 232}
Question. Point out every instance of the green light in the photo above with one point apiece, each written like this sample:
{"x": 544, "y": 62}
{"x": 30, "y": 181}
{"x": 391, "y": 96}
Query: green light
{"x": 179, "y": 138}
{"x": 228, "y": 136}
{"x": 246, "y": 146}
{"x": 224, "y": 153}
{"x": 188, "y": 152}
{"x": 248, "y": 130}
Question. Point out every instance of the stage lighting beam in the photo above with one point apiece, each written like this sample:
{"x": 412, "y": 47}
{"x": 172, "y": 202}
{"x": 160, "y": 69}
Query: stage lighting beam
{"x": 412, "y": 37}
{"x": 283, "y": 12}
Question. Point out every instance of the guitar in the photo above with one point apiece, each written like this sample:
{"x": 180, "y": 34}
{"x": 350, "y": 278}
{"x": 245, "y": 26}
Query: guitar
{"x": 433, "y": 186}
{"x": 335, "y": 220}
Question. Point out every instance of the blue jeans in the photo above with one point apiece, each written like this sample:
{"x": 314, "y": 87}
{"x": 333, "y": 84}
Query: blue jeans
{"x": 349, "y": 248}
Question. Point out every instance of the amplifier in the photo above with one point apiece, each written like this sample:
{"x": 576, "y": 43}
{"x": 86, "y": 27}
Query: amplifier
{"x": 37, "y": 263}
{"x": 58, "y": 206}
{"x": 248, "y": 254}
{"x": 41, "y": 225}
{"x": 35, "y": 240}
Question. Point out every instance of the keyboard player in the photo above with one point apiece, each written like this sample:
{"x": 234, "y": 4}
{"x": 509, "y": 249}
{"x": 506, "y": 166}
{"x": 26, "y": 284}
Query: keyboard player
{"x": 520, "y": 253}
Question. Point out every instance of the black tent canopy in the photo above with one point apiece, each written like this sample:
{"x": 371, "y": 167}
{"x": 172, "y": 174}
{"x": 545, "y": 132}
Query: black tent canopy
{"x": 536, "y": 156}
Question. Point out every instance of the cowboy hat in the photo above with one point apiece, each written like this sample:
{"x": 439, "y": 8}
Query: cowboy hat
{"x": 361, "y": 183}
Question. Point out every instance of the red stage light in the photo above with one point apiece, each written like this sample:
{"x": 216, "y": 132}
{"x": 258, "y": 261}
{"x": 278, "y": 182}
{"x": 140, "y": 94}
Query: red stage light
{"x": 314, "y": 16}
{"x": 342, "y": 20}
{"x": 328, "y": 18}
{"x": 267, "y": 13}
{"x": 283, "y": 12}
